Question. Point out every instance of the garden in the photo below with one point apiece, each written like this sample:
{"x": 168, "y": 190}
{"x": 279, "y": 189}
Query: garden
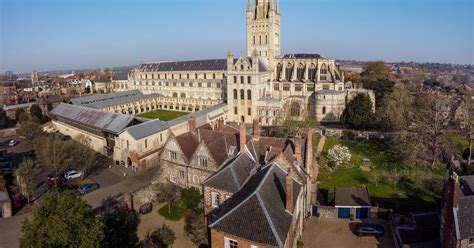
{"x": 374, "y": 164}
{"x": 164, "y": 115}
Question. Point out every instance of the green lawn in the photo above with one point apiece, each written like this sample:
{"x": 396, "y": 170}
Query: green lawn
{"x": 390, "y": 183}
{"x": 178, "y": 210}
{"x": 164, "y": 115}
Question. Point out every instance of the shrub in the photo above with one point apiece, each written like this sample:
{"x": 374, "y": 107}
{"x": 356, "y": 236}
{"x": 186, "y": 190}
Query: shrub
{"x": 161, "y": 237}
{"x": 339, "y": 154}
{"x": 191, "y": 198}
{"x": 195, "y": 227}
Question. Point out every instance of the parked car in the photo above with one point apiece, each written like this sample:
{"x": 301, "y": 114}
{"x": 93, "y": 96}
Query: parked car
{"x": 52, "y": 180}
{"x": 146, "y": 208}
{"x": 72, "y": 173}
{"x": 66, "y": 187}
{"x": 365, "y": 229}
{"x": 13, "y": 142}
{"x": 88, "y": 187}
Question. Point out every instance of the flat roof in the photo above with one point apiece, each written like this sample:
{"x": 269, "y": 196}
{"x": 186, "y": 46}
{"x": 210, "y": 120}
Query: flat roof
{"x": 353, "y": 197}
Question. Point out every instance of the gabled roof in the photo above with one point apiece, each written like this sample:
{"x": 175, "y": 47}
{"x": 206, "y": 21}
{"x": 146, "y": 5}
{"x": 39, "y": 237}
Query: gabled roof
{"x": 49, "y": 99}
{"x": 92, "y": 118}
{"x": 233, "y": 174}
{"x": 219, "y": 143}
{"x": 257, "y": 212}
{"x": 352, "y": 197}
{"x": 188, "y": 143}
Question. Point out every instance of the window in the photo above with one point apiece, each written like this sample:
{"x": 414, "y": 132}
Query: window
{"x": 249, "y": 79}
{"x": 242, "y": 95}
{"x": 175, "y": 94}
{"x": 298, "y": 87}
{"x": 172, "y": 76}
{"x": 242, "y": 67}
{"x": 276, "y": 87}
{"x": 196, "y": 76}
{"x": 310, "y": 88}
{"x": 174, "y": 84}
{"x": 199, "y": 85}
{"x": 205, "y": 76}
{"x": 286, "y": 87}
{"x": 324, "y": 110}
{"x": 181, "y": 174}
{"x": 173, "y": 155}
{"x": 241, "y": 79}
{"x": 235, "y": 94}
{"x": 249, "y": 95}
{"x": 295, "y": 109}
{"x": 235, "y": 112}
{"x": 146, "y": 143}
{"x": 203, "y": 161}
{"x": 182, "y": 84}
{"x": 214, "y": 199}
{"x": 172, "y": 179}
{"x": 249, "y": 111}
{"x": 254, "y": 40}
{"x": 218, "y": 85}
{"x": 208, "y": 85}
{"x": 183, "y": 95}
{"x": 190, "y": 84}
{"x": 235, "y": 79}
{"x": 230, "y": 243}
{"x": 213, "y": 76}
{"x": 187, "y": 76}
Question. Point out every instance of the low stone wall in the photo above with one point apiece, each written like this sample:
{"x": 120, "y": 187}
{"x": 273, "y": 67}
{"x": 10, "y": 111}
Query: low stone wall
{"x": 327, "y": 212}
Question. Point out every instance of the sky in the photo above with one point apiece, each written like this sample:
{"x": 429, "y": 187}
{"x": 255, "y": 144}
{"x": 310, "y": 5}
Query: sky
{"x": 77, "y": 34}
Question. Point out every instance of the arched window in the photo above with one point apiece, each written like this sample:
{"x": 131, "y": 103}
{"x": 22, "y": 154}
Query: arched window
{"x": 300, "y": 72}
{"x": 289, "y": 71}
{"x": 279, "y": 70}
{"x": 323, "y": 72}
{"x": 196, "y": 76}
{"x": 254, "y": 40}
{"x": 249, "y": 95}
{"x": 187, "y": 76}
{"x": 312, "y": 72}
{"x": 266, "y": 39}
{"x": 213, "y": 76}
{"x": 259, "y": 39}
{"x": 235, "y": 94}
{"x": 324, "y": 110}
{"x": 295, "y": 109}
{"x": 242, "y": 94}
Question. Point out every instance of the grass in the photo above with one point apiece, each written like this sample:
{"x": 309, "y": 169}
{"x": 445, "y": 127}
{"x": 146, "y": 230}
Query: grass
{"x": 164, "y": 115}
{"x": 178, "y": 210}
{"x": 390, "y": 183}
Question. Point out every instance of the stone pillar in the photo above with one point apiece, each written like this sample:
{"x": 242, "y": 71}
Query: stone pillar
{"x": 283, "y": 72}
{"x": 306, "y": 70}
{"x": 295, "y": 72}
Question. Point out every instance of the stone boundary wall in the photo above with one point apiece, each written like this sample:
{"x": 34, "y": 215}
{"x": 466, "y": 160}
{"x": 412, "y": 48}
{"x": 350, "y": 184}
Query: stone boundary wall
{"x": 327, "y": 212}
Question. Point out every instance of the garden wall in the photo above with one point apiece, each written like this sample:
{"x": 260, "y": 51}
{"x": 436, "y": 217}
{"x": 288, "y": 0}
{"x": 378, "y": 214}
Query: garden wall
{"x": 327, "y": 212}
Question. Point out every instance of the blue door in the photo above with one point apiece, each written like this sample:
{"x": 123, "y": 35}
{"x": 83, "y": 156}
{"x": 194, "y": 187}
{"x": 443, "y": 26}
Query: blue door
{"x": 343, "y": 213}
{"x": 314, "y": 210}
{"x": 362, "y": 213}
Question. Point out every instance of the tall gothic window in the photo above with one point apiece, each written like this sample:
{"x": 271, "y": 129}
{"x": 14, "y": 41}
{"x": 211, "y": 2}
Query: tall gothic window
{"x": 235, "y": 94}
{"x": 279, "y": 70}
{"x": 312, "y": 72}
{"x": 242, "y": 94}
{"x": 289, "y": 71}
{"x": 295, "y": 109}
{"x": 300, "y": 72}
{"x": 249, "y": 95}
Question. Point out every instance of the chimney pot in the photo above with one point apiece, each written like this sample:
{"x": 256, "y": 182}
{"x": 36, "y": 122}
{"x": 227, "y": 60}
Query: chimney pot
{"x": 298, "y": 148}
{"x": 256, "y": 129}
{"x": 289, "y": 191}
{"x": 242, "y": 137}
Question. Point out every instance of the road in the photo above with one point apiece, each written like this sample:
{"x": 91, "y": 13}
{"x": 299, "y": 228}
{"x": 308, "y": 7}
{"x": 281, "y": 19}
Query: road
{"x": 113, "y": 185}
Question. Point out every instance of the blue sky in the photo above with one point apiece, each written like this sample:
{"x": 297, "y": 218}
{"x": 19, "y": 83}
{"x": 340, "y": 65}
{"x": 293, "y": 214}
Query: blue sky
{"x": 74, "y": 34}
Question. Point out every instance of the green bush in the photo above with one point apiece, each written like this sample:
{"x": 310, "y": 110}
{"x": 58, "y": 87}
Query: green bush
{"x": 191, "y": 198}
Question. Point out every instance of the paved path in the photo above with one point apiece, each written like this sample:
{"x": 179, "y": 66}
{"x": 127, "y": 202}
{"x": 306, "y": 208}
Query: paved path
{"x": 153, "y": 220}
{"x": 10, "y": 229}
{"x": 320, "y": 147}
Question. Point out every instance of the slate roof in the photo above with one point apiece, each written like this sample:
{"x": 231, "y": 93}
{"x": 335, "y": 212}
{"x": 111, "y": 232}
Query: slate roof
{"x": 120, "y": 76}
{"x": 48, "y": 100}
{"x": 464, "y": 213}
{"x": 99, "y": 120}
{"x": 352, "y": 197}
{"x": 257, "y": 212}
{"x": 192, "y": 65}
{"x": 303, "y": 56}
{"x": 195, "y": 65}
{"x": 233, "y": 174}
{"x": 101, "y": 101}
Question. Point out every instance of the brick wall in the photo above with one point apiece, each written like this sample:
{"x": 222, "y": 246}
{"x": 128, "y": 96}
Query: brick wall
{"x": 218, "y": 240}
{"x": 223, "y": 195}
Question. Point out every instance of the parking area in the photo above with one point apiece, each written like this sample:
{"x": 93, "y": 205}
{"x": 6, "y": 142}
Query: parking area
{"x": 336, "y": 233}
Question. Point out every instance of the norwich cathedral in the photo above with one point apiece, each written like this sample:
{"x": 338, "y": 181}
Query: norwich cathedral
{"x": 265, "y": 84}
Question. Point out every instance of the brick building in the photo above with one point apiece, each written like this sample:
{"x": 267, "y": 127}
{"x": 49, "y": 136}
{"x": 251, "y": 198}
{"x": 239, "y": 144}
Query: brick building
{"x": 457, "y": 212}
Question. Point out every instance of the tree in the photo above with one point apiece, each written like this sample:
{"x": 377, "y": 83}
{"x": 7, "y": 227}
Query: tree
{"x": 162, "y": 237}
{"x": 339, "y": 154}
{"x": 25, "y": 177}
{"x": 195, "y": 227}
{"x": 83, "y": 157}
{"x": 395, "y": 112}
{"x": 358, "y": 113}
{"x": 36, "y": 112}
{"x": 4, "y": 121}
{"x": 52, "y": 154}
{"x": 381, "y": 88}
{"x": 191, "y": 197}
{"x": 120, "y": 224}
{"x": 19, "y": 114}
{"x": 168, "y": 192}
{"x": 31, "y": 130}
{"x": 62, "y": 220}
{"x": 376, "y": 71}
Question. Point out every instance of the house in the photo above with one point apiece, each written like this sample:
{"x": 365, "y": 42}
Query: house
{"x": 457, "y": 212}
{"x": 48, "y": 102}
{"x": 268, "y": 211}
{"x": 11, "y": 109}
{"x": 352, "y": 203}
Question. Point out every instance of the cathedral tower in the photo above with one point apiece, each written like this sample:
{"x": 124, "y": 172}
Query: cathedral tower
{"x": 263, "y": 29}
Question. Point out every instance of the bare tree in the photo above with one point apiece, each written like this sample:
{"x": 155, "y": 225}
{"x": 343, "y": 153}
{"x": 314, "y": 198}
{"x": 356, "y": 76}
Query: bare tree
{"x": 52, "y": 155}
{"x": 168, "y": 192}
{"x": 25, "y": 177}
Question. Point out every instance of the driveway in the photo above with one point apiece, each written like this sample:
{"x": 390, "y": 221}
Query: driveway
{"x": 333, "y": 233}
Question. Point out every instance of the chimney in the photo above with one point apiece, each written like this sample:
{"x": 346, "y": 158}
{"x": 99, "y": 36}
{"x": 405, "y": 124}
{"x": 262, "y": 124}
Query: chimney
{"x": 192, "y": 124}
{"x": 256, "y": 129}
{"x": 220, "y": 125}
{"x": 242, "y": 138}
{"x": 298, "y": 151}
{"x": 289, "y": 191}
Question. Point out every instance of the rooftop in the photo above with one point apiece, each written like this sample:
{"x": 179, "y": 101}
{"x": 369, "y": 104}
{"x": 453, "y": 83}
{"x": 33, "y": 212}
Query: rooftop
{"x": 101, "y": 101}
{"x": 352, "y": 197}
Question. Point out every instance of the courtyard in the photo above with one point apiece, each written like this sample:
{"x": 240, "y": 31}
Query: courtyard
{"x": 339, "y": 234}
{"x": 164, "y": 115}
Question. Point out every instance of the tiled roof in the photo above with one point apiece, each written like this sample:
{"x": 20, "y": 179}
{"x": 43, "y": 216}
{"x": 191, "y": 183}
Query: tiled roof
{"x": 48, "y": 100}
{"x": 257, "y": 212}
{"x": 464, "y": 213}
{"x": 101, "y": 101}
{"x": 218, "y": 144}
{"x": 352, "y": 197}
{"x": 96, "y": 119}
{"x": 302, "y": 56}
{"x": 188, "y": 143}
{"x": 193, "y": 65}
{"x": 233, "y": 174}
